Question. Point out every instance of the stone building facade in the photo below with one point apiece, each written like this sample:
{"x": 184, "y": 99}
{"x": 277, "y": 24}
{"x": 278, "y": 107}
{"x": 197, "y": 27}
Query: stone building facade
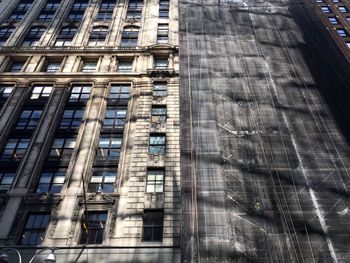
{"x": 335, "y": 15}
{"x": 90, "y": 103}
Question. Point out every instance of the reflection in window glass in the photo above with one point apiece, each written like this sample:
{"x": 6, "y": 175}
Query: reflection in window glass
{"x": 50, "y": 182}
{"x": 155, "y": 181}
{"x": 6, "y": 180}
{"x": 35, "y": 229}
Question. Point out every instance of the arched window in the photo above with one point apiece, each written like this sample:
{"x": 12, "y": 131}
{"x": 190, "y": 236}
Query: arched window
{"x": 5, "y": 33}
{"x": 66, "y": 36}
{"x": 129, "y": 36}
{"x": 98, "y": 36}
{"x": 34, "y": 35}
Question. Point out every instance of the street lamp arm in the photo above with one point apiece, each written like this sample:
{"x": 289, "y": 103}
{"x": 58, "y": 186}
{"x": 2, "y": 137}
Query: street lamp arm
{"x": 19, "y": 254}
{"x": 37, "y": 253}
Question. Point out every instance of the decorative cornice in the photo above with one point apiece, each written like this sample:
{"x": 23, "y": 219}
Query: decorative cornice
{"x": 164, "y": 73}
{"x": 100, "y": 198}
{"x": 42, "y": 198}
{"x": 85, "y": 49}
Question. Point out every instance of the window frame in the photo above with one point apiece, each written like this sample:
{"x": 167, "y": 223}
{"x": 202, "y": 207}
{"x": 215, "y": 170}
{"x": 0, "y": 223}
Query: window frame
{"x": 159, "y": 113}
{"x": 111, "y": 147}
{"x": 69, "y": 122}
{"x": 125, "y": 65}
{"x": 82, "y": 236}
{"x": 89, "y": 65}
{"x": 114, "y": 119}
{"x": 62, "y": 147}
{"x": 104, "y": 186}
{"x": 29, "y": 118}
{"x": 130, "y": 36}
{"x": 5, "y": 187}
{"x": 65, "y": 36}
{"x": 13, "y": 152}
{"x": 153, "y": 181}
{"x": 160, "y": 89}
{"x": 37, "y": 230}
{"x": 134, "y": 10}
{"x": 44, "y": 93}
{"x": 6, "y": 91}
{"x": 158, "y": 65}
{"x": 119, "y": 93}
{"x": 151, "y": 225}
{"x": 157, "y": 144}
{"x": 52, "y": 183}
{"x": 80, "y": 93}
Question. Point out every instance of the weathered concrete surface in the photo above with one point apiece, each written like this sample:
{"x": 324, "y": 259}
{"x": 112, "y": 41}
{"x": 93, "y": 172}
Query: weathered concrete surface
{"x": 265, "y": 134}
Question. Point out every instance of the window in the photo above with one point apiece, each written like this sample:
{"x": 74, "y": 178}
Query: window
{"x": 98, "y": 36}
{"x": 61, "y": 149}
{"x": 66, "y": 36}
{"x": 16, "y": 66}
{"x": 102, "y": 181}
{"x": 48, "y": 11}
{"x": 19, "y": 12}
{"x": 15, "y": 149}
{"x": 34, "y": 35}
{"x": 6, "y": 180}
{"x": 343, "y": 9}
{"x": 24, "y": 5}
{"x": 5, "y": 33}
{"x": 325, "y": 9}
{"x": 160, "y": 89}
{"x": 124, "y": 66}
{"x": 159, "y": 114}
{"x": 75, "y": 16}
{"x": 164, "y": 8}
{"x": 17, "y": 15}
{"x": 78, "y": 10}
{"x": 155, "y": 181}
{"x": 161, "y": 63}
{"x": 156, "y": 144}
{"x": 333, "y": 20}
{"x": 71, "y": 119}
{"x": 29, "y": 119}
{"x": 152, "y": 226}
{"x": 50, "y": 182}
{"x": 134, "y": 9}
{"x": 41, "y": 92}
{"x": 80, "y": 93}
{"x": 80, "y": 5}
{"x": 52, "y": 5}
{"x": 348, "y": 44}
{"x": 35, "y": 229}
{"x": 119, "y": 94}
{"x": 5, "y": 92}
{"x": 96, "y": 221}
{"x": 89, "y": 66}
{"x": 162, "y": 33}
{"x": 52, "y": 66}
{"x": 115, "y": 118}
{"x": 335, "y": 1}
{"x": 46, "y": 16}
{"x": 106, "y": 10}
{"x": 109, "y": 146}
{"x": 129, "y": 36}
{"x": 348, "y": 18}
{"x": 342, "y": 32}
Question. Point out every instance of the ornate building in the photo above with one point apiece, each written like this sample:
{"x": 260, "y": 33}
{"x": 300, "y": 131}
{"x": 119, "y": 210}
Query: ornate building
{"x": 336, "y": 17}
{"x": 89, "y": 97}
